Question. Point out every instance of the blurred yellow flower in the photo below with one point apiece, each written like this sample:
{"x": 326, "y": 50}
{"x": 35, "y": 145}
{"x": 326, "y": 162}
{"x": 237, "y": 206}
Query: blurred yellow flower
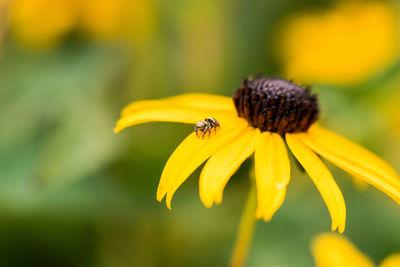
{"x": 332, "y": 250}
{"x": 105, "y": 19}
{"x": 42, "y": 23}
{"x": 345, "y": 45}
{"x": 263, "y": 113}
{"x": 391, "y": 261}
{"x": 102, "y": 19}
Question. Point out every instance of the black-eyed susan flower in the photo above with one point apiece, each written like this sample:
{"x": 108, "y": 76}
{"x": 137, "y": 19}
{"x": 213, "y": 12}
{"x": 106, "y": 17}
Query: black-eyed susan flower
{"x": 332, "y": 250}
{"x": 263, "y": 114}
{"x": 346, "y": 44}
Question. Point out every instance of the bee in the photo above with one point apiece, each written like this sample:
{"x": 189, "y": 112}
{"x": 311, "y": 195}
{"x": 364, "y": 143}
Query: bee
{"x": 205, "y": 126}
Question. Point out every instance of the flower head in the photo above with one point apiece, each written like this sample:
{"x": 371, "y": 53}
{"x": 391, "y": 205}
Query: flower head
{"x": 45, "y": 23}
{"x": 276, "y": 105}
{"x": 332, "y": 250}
{"x": 345, "y": 45}
{"x": 264, "y": 113}
{"x": 42, "y": 23}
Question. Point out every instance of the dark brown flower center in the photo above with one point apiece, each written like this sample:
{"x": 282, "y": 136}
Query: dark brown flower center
{"x": 276, "y": 105}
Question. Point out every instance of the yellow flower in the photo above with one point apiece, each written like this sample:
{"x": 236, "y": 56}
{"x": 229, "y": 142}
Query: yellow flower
{"x": 106, "y": 19}
{"x": 42, "y": 23}
{"x": 346, "y": 45}
{"x": 332, "y": 250}
{"x": 391, "y": 261}
{"x": 263, "y": 113}
{"x": 45, "y": 23}
{"x": 102, "y": 19}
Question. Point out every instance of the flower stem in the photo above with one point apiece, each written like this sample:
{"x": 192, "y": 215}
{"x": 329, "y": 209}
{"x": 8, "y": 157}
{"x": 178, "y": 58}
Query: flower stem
{"x": 246, "y": 228}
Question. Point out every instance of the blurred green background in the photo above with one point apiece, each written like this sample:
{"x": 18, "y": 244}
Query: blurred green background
{"x": 73, "y": 193}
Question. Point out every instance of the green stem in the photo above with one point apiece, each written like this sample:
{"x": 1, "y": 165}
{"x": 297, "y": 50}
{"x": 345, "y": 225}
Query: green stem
{"x": 246, "y": 229}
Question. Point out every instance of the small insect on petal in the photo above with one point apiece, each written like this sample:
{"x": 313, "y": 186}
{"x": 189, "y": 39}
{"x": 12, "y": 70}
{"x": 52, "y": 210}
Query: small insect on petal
{"x": 206, "y": 126}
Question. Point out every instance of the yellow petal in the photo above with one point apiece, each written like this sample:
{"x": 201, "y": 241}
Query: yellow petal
{"x": 351, "y": 151}
{"x": 272, "y": 169}
{"x": 201, "y": 101}
{"x": 333, "y": 250}
{"x": 391, "y": 261}
{"x": 359, "y": 165}
{"x": 223, "y": 164}
{"x": 192, "y": 152}
{"x": 322, "y": 178}
{"x": 283, "y": 167}
{"x": 189, "y": 108}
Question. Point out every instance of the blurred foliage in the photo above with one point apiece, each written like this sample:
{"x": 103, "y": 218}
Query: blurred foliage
{"x": 72, "y": 193}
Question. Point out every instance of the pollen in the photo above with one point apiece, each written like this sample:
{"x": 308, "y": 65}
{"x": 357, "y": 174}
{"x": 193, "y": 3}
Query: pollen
{"x": 276, "y": 105}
